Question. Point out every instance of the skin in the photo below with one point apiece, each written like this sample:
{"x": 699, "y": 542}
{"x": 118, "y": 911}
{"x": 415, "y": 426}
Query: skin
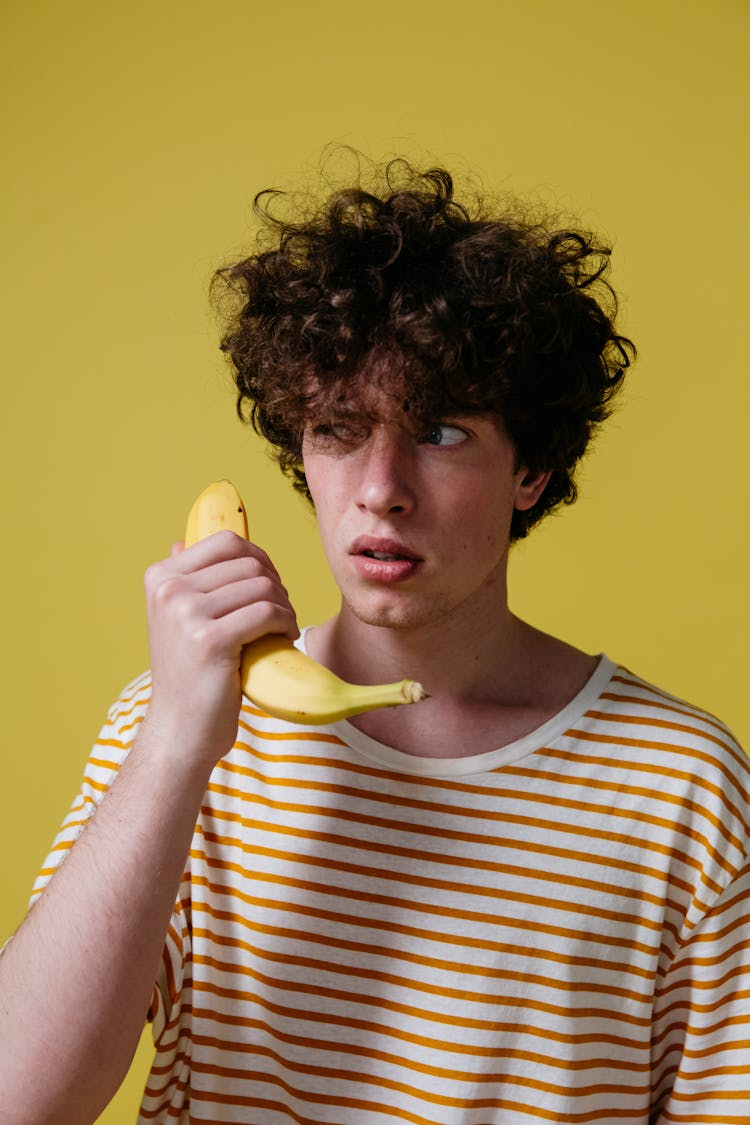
{"x": 443, "y": 497}
{"x": 76, "y": 980}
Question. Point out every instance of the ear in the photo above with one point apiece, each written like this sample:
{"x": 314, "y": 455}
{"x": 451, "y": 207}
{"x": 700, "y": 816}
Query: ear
{"x": 530, "y": 487}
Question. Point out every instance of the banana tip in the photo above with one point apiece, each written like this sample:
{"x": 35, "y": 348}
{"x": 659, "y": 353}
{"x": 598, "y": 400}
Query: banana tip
{"x": 414, "y": 692}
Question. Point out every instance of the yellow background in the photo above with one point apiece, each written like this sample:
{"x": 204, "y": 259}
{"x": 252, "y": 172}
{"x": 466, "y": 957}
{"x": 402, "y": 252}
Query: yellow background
{"x": 134, "y": 137}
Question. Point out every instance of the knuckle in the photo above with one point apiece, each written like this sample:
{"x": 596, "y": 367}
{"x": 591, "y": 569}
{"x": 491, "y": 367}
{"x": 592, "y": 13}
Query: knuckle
{"x": 200, "y": 636}
{"x": 230, "y": 544}
{"x": 263, "y": 558}
{"x": 264, "y": 589}
{"x": 152, "y": 575}
{"x": 166, "y": 591}
{"x": 253, "y": 571}
{"x": 225, "y": 538}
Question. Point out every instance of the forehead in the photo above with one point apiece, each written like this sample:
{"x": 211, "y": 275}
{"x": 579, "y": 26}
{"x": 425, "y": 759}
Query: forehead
{"x": 360, "y": 397}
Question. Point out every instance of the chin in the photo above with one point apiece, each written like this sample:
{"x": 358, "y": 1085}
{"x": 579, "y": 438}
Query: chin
{"x": 394, "y": 615}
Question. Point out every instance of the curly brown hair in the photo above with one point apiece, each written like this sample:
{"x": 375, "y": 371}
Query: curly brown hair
{"x": 470, "y": 312}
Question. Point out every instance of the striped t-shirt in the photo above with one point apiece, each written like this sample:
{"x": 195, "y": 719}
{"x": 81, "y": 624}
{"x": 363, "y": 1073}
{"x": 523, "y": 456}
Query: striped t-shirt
{"x": 556, "y": 931}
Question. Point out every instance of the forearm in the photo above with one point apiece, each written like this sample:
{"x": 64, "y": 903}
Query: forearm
{"x": 77, "y": 979}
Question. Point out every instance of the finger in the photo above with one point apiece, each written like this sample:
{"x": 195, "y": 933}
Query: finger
{"x": 220, "y": 546}
{"x": 249, "y": 623}
{"x": 227, "y": 572}
{"x": 259, "y": 594}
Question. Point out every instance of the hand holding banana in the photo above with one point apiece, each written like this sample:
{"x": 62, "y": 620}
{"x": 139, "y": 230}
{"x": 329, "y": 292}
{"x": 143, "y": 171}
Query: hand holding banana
{"x": 275, "y": 675}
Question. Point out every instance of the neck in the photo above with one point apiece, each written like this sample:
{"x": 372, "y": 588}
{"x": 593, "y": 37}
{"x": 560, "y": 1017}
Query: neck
{"x": 487, "y": 685}
{"x": 449, "y": 658}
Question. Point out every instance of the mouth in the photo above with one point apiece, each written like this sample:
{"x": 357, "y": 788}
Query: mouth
{"x": 383, "y": 550}
{"x": 384, "y": 560}
{"x": 382, "y": 556}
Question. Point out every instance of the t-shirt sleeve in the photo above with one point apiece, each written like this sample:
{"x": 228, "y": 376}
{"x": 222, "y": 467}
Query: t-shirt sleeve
{"x": 109, "y": 752}
{"x": 701, "y": 1020}
{"x": 702, "y": 1027}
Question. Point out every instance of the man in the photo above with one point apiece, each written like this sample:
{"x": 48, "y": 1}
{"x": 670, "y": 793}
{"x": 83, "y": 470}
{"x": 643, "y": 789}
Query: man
{"x": 519, "y": 900}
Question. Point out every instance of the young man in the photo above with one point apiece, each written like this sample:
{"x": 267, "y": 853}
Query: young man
{"x": 520, "y": 900}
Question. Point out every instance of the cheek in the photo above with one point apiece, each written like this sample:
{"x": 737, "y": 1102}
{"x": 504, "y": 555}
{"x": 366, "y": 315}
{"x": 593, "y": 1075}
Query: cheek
{"x": 315, "y": 479}
{"x": 327, "y": 498}
{"x": 327, "y": 501}
{"x": 482, "y": 542}
{"x": 324, "y": 475}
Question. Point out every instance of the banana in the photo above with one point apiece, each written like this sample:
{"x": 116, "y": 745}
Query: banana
{"x": 275, "y": 675}
{"x": 218, "y": 507}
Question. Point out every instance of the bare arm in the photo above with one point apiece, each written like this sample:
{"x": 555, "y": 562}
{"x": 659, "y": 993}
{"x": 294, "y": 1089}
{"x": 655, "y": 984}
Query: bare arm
{"x": 76, "y": 981}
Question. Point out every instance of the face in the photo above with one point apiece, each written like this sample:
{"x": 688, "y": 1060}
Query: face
{"x": 415, "y": 524}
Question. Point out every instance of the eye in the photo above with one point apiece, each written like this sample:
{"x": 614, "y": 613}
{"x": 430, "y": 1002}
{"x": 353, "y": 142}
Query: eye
{"x": 443, "y": 434}
{"x": 337, "y": 432}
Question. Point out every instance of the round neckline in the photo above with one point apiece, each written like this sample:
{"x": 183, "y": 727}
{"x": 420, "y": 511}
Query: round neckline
{"x": 401, "y": 762}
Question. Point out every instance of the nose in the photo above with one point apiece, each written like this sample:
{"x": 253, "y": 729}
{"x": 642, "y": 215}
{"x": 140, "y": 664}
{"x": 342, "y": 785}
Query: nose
{"x": 386, "y": 473}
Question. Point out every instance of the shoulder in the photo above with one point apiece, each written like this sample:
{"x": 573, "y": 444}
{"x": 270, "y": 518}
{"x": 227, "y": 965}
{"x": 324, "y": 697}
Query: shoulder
{"x": 684, "y": 760}
{"x": 640, "y": 731}
{"x": 120, "y": 728}
{"x": 643, "y": 714}
{"x": 132, "y": 700}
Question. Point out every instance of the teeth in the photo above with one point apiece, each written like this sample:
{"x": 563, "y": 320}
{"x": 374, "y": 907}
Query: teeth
{"x": 382, "y": 556}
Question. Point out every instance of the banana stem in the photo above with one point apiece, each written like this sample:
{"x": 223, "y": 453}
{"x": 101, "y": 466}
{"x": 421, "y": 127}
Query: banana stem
{"x": 368, "y": 696}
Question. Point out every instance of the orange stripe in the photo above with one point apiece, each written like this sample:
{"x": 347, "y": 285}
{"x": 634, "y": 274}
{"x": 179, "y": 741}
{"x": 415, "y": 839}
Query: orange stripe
{"x": 668, "y": 703}
{"x": 691, "y": 751}
{"x": 721, "y": 1095}
{"x": 265, "y": 1077}
{"x": 407, "y": 956}
{"x": 442, "y": 833}
{"x": 141, "y": 683}
{"x": 700, "y": 720}
{"x": 375, "y": 1030}
{"x": 693, "y": 777}
{"x": 735, "y": 1045}
{"x": 237, "y": 996}
{"x": 399, "y": 1113}
{"x": 371, "y": 1052}
{"x": 704, "y": 1009}
{"x": 108, "y": 763}
{"x": 440, "y": 911}
{"x": 122, "y": 712}
{"x": 703, "y": 1119}
{"x": 292, "y": 735}
{"x": 489, "y": 791}
{"x": 415, "y": 880}
{"x": 496, "y": 793}
{"x": 164, "y": 1093}
{"x": 720, "y": 958}
{"x": 614, "y": 786}
{"x": 167, "y": 961}
{"x": 380, "y": 848}
{"x": 431, "y": 935}
{"x": 406, "y": 983}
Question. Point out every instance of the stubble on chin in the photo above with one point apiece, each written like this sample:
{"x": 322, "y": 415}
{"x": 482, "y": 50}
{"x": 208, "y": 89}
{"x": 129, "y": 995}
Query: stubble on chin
{"x": 400, "y": 616}
{"x": 407, "y": 611}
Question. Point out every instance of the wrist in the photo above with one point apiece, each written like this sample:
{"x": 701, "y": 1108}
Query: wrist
{"x": 174, "y": 745}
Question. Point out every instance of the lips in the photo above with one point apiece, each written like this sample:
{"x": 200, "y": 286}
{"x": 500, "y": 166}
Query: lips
{"x": 384, "y": 550}
{"x": 384, "y": 560}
